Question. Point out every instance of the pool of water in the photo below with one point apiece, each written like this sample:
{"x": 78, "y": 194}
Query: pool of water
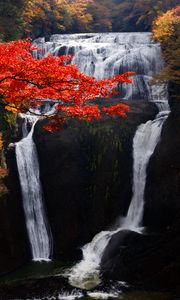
{"x": 108, "y": 296}
{"x": 34, "y": 270}
{"x": 45, "y": 278}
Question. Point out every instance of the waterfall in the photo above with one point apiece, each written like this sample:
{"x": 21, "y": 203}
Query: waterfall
{"x": 85, "y": 274}
{"x": 103, "y": 55}
{"x": 145, "y": 140}
{"x": 38, "y": 229}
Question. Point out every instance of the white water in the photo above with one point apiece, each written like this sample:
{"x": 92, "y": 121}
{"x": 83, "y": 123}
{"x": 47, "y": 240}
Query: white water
{"x": 38, "y": 229}
{"x": 145, "y": 140}
{"x": 103, "y": 55}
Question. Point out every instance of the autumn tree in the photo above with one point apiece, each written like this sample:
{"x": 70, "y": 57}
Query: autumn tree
{"x": 166, "y": 31}
{"x": 26, "y": 81}
{"x": 45, "y": 17}
{"x": 149, "y": 10}
{"x": 36, "y": 18}
{"x": 80, "y": 14}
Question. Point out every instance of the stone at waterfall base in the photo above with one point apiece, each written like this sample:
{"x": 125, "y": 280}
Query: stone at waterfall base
{"x": 145, "y": 261}
{"x": 117, "y": 259}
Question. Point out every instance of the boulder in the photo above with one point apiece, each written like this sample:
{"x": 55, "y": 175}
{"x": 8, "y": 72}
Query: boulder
{"x": 119, "y": 260}
{"x": 150, "y": 261}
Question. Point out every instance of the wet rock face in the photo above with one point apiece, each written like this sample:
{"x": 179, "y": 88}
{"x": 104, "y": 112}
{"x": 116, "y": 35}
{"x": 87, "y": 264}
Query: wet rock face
{"x": 86, "y": 173}
{"x": 14, "y": 246}
{"x": 119, "y": 241}
{"x": 162, "y": 192}
{"x": 173, "y": 95}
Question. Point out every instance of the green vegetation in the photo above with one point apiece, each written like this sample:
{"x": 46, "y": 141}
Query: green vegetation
{"x": 7, "y": 127}
{"x": 10, "y": 19}
{"x": 7, "y": 120}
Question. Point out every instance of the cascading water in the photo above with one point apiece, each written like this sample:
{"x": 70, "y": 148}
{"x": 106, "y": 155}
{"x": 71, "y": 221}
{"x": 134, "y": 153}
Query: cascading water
{"x": 102, "y": 56}
{"x": 145, "y": 140}
{"x": 38, "y": 229}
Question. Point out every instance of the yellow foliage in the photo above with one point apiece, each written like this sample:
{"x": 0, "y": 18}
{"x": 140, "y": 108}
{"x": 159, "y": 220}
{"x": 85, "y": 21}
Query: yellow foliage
{"x": 12, "y": 108}
{"x": 166, "y": 31}
{"x": 166, "y": 24}
{"x": 42, "y": 10}
{"x": 77, "y": 7}
{"x": 52, "y": 11}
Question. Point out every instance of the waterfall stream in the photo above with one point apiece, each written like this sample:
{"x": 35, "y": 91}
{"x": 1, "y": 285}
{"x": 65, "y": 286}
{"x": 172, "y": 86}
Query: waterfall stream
{"x": 38, "y": 229}
{"x": 145, "y": 140}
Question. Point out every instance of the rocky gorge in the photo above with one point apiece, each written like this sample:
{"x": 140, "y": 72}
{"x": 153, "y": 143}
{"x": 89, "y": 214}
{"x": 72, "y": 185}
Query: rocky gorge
{"x": 86, "y": 174}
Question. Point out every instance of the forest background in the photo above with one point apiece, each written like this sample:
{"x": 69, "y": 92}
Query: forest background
{"x": 34, "y": 18}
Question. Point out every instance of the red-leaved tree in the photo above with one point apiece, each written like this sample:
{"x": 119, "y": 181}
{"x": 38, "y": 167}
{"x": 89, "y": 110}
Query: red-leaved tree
{"x": 26, "y": 81}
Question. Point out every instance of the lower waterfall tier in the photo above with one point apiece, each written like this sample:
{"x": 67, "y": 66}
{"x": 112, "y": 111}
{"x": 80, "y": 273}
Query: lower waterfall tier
{"x": 56, "y": 162}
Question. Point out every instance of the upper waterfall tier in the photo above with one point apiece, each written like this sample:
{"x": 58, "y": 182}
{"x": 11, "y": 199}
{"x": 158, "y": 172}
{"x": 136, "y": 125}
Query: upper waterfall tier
{"x": 103, "y": 55}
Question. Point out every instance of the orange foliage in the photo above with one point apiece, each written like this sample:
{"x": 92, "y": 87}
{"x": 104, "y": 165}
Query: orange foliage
{"x": 166, "y": 30}
{"x": 165, "y": 24}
